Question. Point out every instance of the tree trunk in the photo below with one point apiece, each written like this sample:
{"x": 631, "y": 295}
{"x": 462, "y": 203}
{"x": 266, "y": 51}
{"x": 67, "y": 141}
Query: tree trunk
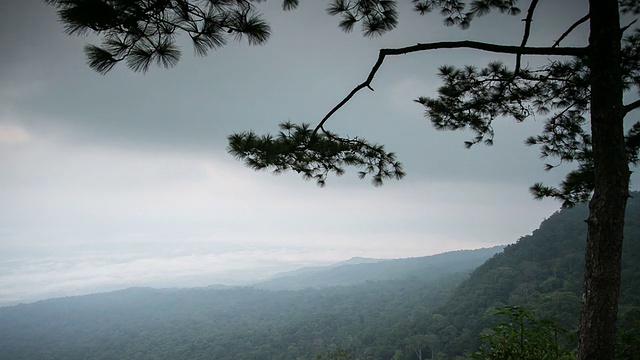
{"x": 607, "y": 207}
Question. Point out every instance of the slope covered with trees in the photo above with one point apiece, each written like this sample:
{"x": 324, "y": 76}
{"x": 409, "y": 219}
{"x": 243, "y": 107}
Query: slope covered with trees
{"x": 543, "y": 271}
{"x": 368, "y": 319}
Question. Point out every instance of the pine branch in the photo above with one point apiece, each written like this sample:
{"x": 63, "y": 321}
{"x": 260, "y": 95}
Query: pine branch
{"x": 314, "y": 156}
{"x": 632, "y": 106}
{"x": 570, "y": 29}
{"x": 525, "y": 37}
{"x": 465, "y": 44}
{"x": 625, "y": 28}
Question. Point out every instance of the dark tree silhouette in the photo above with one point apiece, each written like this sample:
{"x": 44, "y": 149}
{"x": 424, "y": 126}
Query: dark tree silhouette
{"x": 581, "y": 96}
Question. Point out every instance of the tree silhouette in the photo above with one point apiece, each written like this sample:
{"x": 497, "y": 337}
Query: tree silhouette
{"x": 581, "y": 97}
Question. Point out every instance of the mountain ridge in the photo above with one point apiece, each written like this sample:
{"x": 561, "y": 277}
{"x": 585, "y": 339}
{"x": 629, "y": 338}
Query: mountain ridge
{"x": 359, "y": 270}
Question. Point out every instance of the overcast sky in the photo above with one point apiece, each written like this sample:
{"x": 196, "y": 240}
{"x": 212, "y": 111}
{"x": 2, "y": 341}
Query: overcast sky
{"x": 124, "y": 180}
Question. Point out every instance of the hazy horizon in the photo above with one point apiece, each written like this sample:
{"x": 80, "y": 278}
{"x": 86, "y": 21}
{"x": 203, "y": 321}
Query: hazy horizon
{"x": 78, "y": 280}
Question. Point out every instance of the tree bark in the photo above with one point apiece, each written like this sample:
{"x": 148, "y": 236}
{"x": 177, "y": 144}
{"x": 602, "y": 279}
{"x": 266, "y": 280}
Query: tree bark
{"x": 607, "y": 207}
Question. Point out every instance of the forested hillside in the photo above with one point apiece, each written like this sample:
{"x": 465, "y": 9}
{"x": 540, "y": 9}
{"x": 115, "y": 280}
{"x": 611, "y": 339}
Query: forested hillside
{"x": 542, "y": 271}
{"x": 371, "y": 319}
{"x": 420, "y": 307}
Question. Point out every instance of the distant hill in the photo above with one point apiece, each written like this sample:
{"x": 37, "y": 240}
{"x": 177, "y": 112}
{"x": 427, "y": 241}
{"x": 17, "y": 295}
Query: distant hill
{"x": 311, "y": 269}
{"x": 360, "y": 270}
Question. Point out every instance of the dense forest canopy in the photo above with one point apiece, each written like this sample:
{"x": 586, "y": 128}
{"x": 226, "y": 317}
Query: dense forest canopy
{"x": 241, "y": 323}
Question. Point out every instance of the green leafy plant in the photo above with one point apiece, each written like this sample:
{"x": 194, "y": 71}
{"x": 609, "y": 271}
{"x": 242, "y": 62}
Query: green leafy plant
{"x": 523, "y": 337}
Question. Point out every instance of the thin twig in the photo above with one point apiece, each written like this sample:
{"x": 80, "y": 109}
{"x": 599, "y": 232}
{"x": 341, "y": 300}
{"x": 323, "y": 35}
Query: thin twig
{"x": 525, "y": 37}
{"x": 630, "y": 107}
{"x": 570, "y": 29}
{"x": 622, "y": 30}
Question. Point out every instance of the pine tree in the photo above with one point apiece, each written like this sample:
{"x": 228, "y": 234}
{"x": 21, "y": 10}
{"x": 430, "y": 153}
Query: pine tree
{"x": 584, "y": 91}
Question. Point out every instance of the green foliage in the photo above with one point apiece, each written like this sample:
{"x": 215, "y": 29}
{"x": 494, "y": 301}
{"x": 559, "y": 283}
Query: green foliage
{"x": 628, "y": 336}
{"x": 314, "y": 154}
{"x": 455, "y": 11}
{"x": 523, "y": 337}
{"x": 630, "y": 6}
{"x": 338, "y": 354}
{"x": 142, "y": 33}
{"x": 473, "y": 99}
{"x": 376, "y": 17}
